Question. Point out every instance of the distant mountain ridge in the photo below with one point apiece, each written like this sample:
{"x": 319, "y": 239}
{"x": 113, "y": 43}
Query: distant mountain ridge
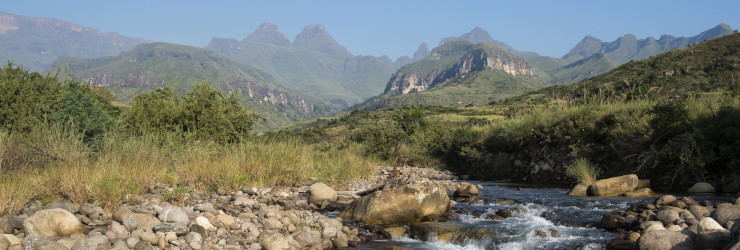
{"x": 153, "y": 65}
{"x": 628, "y": 47}
{"x": 459, "y": 73}
{"x": 314, "y": 63}
{"x": 479, "y": 35}
{"x": 36, "y": 42}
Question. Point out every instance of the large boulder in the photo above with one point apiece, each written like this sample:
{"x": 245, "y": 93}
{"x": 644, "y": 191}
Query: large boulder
{"x": 319, "y": 192}
{"x": 665, "y": 240}
{"x": 53, "y": 222}
{"x": 402, "y": 204}
{"x": 711, "y": 235}
{"x": 614, "y": 186}
{"x": 667, "y": 216}
{"x": 701, "y": 187}
{"x": 724, "y": 214}
{"x": 641, "y": 192}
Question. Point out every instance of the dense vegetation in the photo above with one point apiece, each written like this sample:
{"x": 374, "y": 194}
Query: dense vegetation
{"x": 64, "y": 139}
{"x": 674, "y": 118}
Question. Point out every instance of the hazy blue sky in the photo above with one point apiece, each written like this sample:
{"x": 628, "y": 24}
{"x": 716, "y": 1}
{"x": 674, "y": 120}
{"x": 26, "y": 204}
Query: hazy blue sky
{"x": 393, "y": 28}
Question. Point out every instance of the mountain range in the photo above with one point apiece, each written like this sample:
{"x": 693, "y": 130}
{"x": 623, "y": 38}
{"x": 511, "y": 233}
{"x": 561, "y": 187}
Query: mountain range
{"x": 314, "y": 63}
{"x": 313, "y": 74}
{"x": 36, "y": 42}
{"x": 152, "y": 65}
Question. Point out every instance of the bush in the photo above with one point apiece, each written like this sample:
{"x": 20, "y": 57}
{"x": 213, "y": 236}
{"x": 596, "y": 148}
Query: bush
{"x": 204, "y": 113}
{"x": 26, "y": 98}
{"x": 582, "y": 171}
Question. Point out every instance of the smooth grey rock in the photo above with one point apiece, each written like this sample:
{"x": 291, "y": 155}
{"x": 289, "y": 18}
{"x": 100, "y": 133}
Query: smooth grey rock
{"x": 174, "y": 214}
{"x": 665, "y": 240}
{"x": 724, "y": 214}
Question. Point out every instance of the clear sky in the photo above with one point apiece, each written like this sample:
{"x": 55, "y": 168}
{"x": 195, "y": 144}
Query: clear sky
{"x": 393, "y": 28}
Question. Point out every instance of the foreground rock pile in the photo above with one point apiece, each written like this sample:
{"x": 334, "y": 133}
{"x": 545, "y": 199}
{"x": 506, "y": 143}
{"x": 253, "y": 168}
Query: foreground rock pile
{"x": 675, "y": 223}
{"x": 250, "y": 218}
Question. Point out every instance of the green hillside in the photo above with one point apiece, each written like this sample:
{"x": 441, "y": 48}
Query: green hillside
{"x": 582, "y": 69}
{"x": 459, "y": 73}
{"x": 149, "y": 66}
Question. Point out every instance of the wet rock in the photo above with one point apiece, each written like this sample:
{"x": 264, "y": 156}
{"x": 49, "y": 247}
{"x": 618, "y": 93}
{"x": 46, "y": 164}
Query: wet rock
{"x": 701, "y": 187}
{"x": 493, "y": 217}
{"x": 665, "y": 240}
{"x": 503, "y": 213}
{"x": 613, "y": 186}
{"x": 724, "y": 214}
{"x": 579, "y": 190}
{"x": 467, "y": 190}
{"x": 433, "y": 218}
{"x": 331, "y": 206}
{"x": 319, "y": 192}
{"x": 642, "y": 192}
{"x": 611, "y": 222}
{"x": 178, "y": 229}
{"x": 620, "y": 244}
{"x": 450, "y": 232}
{"x": 408, "y": 203}
{"x": 53, "y": 222}
{"x": 174, "y": 214}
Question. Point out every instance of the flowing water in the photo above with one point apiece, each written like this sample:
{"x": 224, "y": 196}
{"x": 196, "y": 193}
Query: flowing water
{"x": 545, "y": 218}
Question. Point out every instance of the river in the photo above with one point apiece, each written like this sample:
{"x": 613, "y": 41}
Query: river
{"x": 545, "y": 218}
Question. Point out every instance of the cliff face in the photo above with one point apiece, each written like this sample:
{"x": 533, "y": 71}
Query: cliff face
{"x": 480, "y": 57}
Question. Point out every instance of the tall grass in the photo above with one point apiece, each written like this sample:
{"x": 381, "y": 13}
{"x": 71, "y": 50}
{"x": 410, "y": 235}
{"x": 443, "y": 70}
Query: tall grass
{"x": 582, "y": 171}
{"x": 119, "y": 168}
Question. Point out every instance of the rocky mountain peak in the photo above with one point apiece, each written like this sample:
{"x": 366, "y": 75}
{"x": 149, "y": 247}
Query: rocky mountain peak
{"x": 422, "y": 52}
{"x": 316, "y": 38}
{"x": 267, "y": 33}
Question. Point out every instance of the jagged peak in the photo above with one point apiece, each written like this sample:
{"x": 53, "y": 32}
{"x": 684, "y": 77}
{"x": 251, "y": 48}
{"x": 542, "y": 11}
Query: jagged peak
{"x": 267, "y": 33}
{"x": 422, "y": 52}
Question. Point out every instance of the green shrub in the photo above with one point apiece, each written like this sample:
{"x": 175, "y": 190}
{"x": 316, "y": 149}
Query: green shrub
{"x": 582, "y": 171}
{"x": 204, "y": 113}
{"x": 26, "y": 98}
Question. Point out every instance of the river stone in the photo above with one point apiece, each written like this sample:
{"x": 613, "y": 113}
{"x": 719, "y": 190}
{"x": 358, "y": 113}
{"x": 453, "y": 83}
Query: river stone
{"x": 178, "y": 229}
{"x": 699, "y": 211}
{"x": 204, "y": 207}
{"x": 5, "y": 227}
{"x": 711, "y": 234}
{"x": 657, "y": 226}
{"x": 11, "y": 239}
{"x": 667, "y": 216}
{"x": 118, "y": 231}
{"x": 665, "y": 199}
{"x": 92, "y": 242}
{"x": 466, "y": 190}
{"x": 205, "y": 223}
{"x": 613, "y": 186}
{"x": 308, "y": 238}
{"x": 665, "y": 240}
{"x": 53, "y": 222}
{"x": 579, "y": 190}
{"x": 319, "y": 192}
{"x": 273, "y": 240}
{"x": 174, "y": 214}
{"x": 701, "y": 187}
{"x": 724, "y": 214}
{"x": 44, "y": 244}
{"x": 143, "y": 245}
{"x": 225, "y": 220}
{"x": 642, "y": 192}
{"x": 402, "y": 204}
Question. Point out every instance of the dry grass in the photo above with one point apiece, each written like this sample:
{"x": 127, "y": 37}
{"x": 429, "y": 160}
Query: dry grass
{"x": 118, "y": 169}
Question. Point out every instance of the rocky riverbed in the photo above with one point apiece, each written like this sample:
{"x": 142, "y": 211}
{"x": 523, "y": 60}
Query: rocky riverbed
{"x": 250, "y": 218}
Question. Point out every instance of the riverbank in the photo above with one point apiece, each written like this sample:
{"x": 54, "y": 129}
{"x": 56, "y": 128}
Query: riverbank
{"x": 171, "y": 218}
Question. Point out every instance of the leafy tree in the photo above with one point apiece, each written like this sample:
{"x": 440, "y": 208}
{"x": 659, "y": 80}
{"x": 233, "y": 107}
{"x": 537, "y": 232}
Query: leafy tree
{"x": 26, "y": 98}
{"x": 82, "y": 108}
{"x": 411, "y": 118}
{"x": 204, "y": 113}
